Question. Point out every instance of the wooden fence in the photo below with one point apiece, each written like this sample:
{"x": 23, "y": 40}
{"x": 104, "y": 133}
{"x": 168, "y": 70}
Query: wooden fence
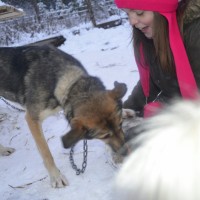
{"x": 50, "y": 23}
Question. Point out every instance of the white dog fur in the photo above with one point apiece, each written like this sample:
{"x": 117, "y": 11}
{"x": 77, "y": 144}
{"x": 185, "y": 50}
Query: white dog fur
{"x": 165, "y": 164}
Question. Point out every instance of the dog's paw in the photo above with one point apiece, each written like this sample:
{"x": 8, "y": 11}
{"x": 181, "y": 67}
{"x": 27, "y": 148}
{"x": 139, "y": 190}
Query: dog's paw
{"x": 6, "y": 151}
{"x": 58, "y": 180}
{"x": 128, "y": 113}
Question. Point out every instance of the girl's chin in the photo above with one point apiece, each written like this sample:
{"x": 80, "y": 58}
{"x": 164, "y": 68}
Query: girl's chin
{"x": 147, "y": 32}
{"x": 148, "y": 35}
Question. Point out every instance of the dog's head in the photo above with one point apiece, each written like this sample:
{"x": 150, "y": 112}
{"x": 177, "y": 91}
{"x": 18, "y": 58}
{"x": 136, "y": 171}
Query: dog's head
{"x": 99, "y": 118}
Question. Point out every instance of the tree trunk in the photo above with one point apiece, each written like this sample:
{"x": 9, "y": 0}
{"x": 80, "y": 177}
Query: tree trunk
{"x": 35, "y": 6}
{"x": 91, "y": 13}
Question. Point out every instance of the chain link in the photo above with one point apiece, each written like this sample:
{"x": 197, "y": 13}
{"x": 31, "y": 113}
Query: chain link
{"x": 12, "y": 106}
{"x": 84, "y": 164}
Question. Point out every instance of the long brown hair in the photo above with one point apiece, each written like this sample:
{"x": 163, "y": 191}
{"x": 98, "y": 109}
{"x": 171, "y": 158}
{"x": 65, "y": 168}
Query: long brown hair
{"x": 158, "y": 48}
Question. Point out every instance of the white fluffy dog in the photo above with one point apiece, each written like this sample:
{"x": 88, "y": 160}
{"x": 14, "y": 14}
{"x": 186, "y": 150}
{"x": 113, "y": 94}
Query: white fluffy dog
{"x": 165, "y": 162}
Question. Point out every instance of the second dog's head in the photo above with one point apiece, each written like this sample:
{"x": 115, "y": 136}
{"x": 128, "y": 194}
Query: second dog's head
{"x": 100, "y": 117}
{"x": 165, "y": 159}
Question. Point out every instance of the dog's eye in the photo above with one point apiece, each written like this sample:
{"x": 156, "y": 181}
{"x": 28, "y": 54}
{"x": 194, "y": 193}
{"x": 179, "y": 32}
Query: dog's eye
{"x": 106, "y": 136}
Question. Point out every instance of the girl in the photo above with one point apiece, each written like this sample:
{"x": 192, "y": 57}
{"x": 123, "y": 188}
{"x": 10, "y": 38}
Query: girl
{"x": 166, "y": 41}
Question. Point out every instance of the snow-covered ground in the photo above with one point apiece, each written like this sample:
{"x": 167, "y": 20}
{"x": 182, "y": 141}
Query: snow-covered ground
{"x": 106, "y": 53}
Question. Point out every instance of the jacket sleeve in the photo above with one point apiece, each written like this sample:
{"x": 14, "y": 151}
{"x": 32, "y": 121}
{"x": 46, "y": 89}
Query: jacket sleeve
{"x": 192, "y": 43}
{"x": 137, "y": 100}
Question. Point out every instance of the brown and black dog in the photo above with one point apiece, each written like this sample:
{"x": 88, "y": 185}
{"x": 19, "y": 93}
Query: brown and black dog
{"x": 45, "y": 80}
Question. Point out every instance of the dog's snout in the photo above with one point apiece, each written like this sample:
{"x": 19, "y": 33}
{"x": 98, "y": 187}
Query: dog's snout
{"x": 64, "y": 142}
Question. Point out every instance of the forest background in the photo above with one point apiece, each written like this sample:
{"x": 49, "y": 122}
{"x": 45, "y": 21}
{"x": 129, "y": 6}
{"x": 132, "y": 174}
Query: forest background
{"x": 51, "y": 16}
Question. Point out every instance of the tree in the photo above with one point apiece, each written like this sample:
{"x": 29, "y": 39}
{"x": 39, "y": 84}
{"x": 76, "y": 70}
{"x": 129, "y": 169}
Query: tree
{"x": 42, "y": 7}
{"x": 34, "y": 3}
{"x": 98, "y": 10}
{"x": 91, "y": 13}
{"x": 59, "y": 5}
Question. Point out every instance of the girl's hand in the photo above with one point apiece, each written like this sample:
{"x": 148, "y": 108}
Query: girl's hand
{"x": 128, "y": 113}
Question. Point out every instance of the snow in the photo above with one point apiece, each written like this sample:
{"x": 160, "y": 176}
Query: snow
{"x": 106, "y": 53}
{"x": 2, "y": 4}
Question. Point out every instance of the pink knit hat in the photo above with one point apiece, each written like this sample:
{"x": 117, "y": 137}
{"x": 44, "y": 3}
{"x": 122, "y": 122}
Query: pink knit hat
{"x": 168, "y": 8}
{"x": 153, "y": 5}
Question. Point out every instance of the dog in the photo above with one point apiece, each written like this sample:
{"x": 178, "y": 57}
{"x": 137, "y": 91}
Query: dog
{"x": 165, "y": 159}
{"x": 45, "y": 80}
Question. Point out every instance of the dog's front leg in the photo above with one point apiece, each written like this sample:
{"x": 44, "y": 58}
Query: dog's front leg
{"x": 57, "y": 179}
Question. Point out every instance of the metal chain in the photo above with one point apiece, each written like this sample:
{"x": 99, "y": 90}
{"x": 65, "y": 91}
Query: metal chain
{"x": 12, "y": 106}
{"x": 84, "y": 164}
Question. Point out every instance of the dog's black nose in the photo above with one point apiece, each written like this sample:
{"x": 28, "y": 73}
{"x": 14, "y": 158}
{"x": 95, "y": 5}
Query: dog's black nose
{"x": 65, "y": 142}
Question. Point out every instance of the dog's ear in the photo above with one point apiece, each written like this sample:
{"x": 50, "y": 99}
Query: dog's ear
{"x": 74, "y": 135}
{"x": 118, "y": 91}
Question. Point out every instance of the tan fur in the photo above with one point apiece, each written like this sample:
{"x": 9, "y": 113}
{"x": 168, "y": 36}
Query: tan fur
{"x": 48, "y": 112}
{"x": 65, "y": 82}
{"x": 57, "y": 179}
